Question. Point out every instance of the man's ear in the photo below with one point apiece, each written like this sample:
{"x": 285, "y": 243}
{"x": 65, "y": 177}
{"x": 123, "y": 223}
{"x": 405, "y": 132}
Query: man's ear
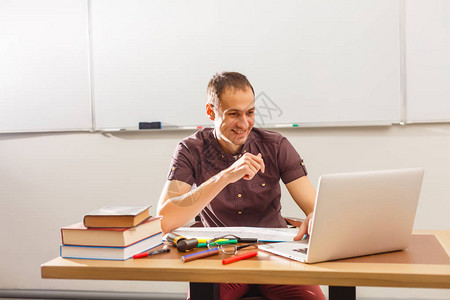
{"x": 210, "y": 111}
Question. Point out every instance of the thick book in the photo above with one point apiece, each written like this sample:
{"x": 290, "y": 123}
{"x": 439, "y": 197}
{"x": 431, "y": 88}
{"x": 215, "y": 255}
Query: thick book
{"x": 110, "y": 253}
{"x": 78, "y": 234}
{"x": 117, "y": 216}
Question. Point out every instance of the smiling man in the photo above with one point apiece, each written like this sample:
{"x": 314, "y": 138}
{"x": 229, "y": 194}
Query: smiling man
{"x": 229, "y": 175}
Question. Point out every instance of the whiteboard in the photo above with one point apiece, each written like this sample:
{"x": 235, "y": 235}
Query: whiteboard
{"x": 428, "y": 60}
{"x": 44, "y": 81}
{"x": 310, "y": 62}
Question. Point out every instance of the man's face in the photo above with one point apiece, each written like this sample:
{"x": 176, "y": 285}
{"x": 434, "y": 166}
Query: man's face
{"x": 234, "y": 118}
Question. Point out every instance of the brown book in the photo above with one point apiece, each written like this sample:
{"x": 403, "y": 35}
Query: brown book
{"x": 117, "y": 216}
{"x": 78, "y": 234}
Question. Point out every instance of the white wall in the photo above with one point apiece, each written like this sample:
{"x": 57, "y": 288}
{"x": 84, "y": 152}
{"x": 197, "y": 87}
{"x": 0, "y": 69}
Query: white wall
{"x": 51, "y": 180}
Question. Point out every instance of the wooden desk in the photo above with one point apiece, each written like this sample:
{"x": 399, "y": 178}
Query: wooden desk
{"x": 425, "y": 264}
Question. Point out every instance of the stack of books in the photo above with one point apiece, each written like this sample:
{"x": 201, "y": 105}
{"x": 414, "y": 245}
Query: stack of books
{"x": 112, "y": 233}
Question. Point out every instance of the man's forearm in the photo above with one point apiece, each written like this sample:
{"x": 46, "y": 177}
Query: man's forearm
{"x": 179, "y": 210}
{"x": 184, "y": 205}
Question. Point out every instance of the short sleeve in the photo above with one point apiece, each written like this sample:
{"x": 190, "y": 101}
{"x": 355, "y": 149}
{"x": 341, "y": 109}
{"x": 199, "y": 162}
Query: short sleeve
{"x": 290, "y": 163}
{"x": 181, "y": 166}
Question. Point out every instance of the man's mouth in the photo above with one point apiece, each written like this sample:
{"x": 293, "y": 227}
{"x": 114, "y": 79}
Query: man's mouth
{"x": 239, "y": 131}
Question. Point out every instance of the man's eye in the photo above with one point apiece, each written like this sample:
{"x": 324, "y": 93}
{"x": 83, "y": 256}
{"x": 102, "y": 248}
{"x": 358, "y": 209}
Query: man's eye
{"x": 251, "y": 112}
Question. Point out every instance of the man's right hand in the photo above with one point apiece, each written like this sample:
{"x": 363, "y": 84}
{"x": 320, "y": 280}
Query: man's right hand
{"x": 245, "y": 167}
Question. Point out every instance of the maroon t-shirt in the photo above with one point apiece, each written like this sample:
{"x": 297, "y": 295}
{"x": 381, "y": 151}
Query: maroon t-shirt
{"x": 253, "y": 202}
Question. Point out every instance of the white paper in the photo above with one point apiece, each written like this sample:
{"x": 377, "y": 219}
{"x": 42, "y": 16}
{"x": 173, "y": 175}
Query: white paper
{"x": 262, "y": 234}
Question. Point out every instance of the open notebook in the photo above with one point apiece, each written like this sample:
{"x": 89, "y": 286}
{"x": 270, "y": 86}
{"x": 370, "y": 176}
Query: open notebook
{"x": 358, "y": 214}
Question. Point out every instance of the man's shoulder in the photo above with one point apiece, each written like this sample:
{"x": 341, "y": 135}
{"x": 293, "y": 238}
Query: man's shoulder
{"x": 266, "y": 136}
{"x": 198, "y": 139}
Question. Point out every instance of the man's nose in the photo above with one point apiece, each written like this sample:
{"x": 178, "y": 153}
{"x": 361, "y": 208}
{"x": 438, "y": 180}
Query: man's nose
{"x": 243, "y": 121}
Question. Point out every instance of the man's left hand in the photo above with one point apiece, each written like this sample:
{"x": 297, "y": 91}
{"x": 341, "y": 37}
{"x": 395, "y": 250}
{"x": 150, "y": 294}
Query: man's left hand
{"x": 305, "y": 228}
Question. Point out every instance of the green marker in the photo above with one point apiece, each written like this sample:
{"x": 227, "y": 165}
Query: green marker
{"x": 202, "y": 245}
{"x": 286, "y": 125}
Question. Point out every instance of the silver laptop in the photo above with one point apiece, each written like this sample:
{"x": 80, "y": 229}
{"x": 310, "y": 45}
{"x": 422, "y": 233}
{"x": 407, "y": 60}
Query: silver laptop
{"x": 358, "y": 214}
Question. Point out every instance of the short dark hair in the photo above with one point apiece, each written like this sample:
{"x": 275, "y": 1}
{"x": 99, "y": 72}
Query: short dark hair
{"x": 225, "y": 80}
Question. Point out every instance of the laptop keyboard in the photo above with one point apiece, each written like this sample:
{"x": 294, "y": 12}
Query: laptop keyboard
{"x": 302, "y": 250}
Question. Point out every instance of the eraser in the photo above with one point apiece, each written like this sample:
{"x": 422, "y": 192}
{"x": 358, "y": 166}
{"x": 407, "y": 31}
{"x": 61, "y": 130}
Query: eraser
{"x": 149, "y": 125}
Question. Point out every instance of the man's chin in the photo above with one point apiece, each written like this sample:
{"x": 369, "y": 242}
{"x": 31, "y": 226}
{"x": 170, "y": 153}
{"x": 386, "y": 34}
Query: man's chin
{"x": 235, "y": 139}
{"x": 240, "y": 140}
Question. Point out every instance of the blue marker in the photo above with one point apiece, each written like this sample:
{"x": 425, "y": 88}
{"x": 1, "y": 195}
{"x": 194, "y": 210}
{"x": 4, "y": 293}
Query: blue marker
{"x": 201, "y": 254}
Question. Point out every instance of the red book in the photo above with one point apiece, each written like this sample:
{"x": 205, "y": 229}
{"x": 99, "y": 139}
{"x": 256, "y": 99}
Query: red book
{"x": 78, "y": 234}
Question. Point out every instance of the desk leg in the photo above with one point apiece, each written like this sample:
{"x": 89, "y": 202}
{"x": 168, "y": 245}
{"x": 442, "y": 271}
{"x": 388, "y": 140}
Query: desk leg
{"x": 201, "y": 291}
{"x": 341, "y": 293}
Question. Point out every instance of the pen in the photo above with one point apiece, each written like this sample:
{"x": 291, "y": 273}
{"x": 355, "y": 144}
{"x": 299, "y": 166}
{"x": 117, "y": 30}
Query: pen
{"x": 145, "y": 254}
{"x": 191, "y": 127}
{"x": 239, "y": 257}
{"x": 305, "y": 236}
{"x": 247, "y": 240}
{"x": 201, "y": 254}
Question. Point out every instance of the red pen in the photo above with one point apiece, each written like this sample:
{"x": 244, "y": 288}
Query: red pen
{"x": 239, "y": 257}
{"x": 145, "y": 254}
